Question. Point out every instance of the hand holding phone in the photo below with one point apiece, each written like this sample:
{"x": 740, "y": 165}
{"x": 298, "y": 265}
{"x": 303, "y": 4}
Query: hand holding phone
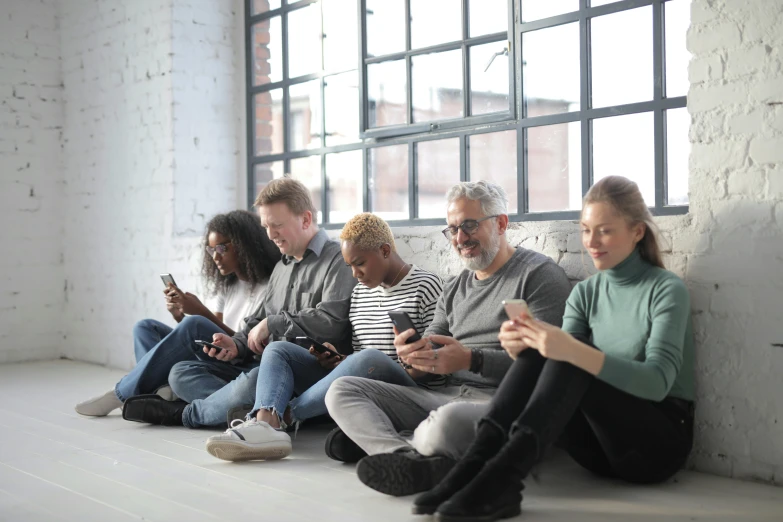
{"x": 167, "y": 280}
{"x": 403, "y": 322}
{"x": 515, "y": 308}
{"x": 208, "y": 344}
{"x": 309, "y": 342}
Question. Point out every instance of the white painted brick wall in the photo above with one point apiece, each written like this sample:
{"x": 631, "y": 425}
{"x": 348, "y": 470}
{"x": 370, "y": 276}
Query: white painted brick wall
{"x": 151, "y": 153}
{"x": 31, "y": 185}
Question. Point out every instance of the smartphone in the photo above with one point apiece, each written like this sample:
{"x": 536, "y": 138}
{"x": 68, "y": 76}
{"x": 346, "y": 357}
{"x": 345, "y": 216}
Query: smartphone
{"x": 167, "y": 279}
{"x": 207, "y": 343}
{"x": 307, "y": 342}
{"x": 403, "y": 322}
{"x": 515, "y": 307}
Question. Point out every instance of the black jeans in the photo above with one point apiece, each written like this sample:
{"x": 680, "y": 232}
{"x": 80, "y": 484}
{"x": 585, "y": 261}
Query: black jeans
{"x": 605, "y": 430}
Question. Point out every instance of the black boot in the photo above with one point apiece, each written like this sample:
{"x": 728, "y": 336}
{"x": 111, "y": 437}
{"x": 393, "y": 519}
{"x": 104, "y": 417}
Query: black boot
{"x": 153, "y": 410}
{"x": 489, "y": 439}
{"x": 341, "y": 448}
{"x": 496, "y": 492}
{"x": 403, "y": 472}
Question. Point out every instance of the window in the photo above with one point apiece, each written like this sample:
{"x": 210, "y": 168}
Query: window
{"x": 382, "y": 105}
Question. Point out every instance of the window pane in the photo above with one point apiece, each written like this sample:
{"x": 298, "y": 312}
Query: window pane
{"x": 538, "y": 9}
{"x": 488, "y": 89}
{"x": 305, "y": 121}
{"x": 267, "y": 52}
{"x": 438, "y": 171}
{"x": 388, "y": 180}
{"x": 385, "y": 27}
{"x": 341, "y": 52}
{"x": 488, "y": 16}
{"x": 550, "y": 70}
{"x": 678, "y": 18}
{"x": 437, "y": 86}
{"x": 623, "y": 146}
{"x": 493, "y": 157}
{"x": 263, "y": 173}
{"x": 304, "y": 41}
{"x": 678, "y": 148}
{"x": 386, "y": 93}
{"x": 268, "y": 122}
{"x": 622, "y": 57}
{"x": 308, "y": 171}
{"x": 435, "y": 22}
{"x": 554, "y": 175}
{"x": 341, "y": 93}
{"x": 344, "y": 171}
{"x": 262, "y": 6}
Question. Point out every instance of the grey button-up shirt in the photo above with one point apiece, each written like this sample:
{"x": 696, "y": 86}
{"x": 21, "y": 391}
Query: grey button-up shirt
{"x": 309, "y": 297}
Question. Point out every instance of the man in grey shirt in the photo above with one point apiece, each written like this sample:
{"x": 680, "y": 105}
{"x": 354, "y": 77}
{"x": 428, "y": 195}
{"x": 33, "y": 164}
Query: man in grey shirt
{"x": 461, "y": 343}
{"x": 308, "y": 294}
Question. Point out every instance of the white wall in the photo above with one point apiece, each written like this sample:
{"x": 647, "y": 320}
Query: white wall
{"x": 31, "y": 184}
{"x": 151, "y": 153}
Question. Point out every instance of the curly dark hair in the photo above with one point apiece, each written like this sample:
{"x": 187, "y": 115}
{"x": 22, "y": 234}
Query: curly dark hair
{"x": 256, "y": 253}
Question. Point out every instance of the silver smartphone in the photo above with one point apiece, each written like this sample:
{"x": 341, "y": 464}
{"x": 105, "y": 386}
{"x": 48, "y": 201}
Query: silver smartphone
{"x": 167, "y": 279}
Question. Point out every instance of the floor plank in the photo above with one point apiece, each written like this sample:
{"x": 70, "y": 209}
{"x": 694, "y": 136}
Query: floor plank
{"x": 56, "y": 465}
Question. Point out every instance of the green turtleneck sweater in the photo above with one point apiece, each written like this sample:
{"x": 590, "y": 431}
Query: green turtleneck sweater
{"x": 639, "y": 316}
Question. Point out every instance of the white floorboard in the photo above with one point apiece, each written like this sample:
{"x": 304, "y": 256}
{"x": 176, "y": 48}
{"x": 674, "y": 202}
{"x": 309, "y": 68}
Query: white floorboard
{"x": 58, "y": 466}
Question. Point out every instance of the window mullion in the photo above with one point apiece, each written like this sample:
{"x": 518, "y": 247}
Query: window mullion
{"x": 408, "y": 64}
{"x": 659, "y": 90}
{"x": 585, "y": 79}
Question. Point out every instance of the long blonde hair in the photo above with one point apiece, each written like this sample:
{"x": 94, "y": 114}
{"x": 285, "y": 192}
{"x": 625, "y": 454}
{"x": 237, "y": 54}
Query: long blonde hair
{"x": 624, "y": 196}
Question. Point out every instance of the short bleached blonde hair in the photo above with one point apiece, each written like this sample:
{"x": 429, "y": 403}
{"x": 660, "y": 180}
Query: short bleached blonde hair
{"x": 368, "y": 232}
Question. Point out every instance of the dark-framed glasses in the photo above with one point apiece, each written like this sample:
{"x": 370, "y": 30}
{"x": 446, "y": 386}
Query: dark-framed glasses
{"x": 469, "y": 226}
{"x": 221, "y": 249}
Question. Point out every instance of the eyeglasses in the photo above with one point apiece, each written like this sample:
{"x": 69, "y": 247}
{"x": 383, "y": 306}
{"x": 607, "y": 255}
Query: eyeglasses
{"x": 469, "y": 226}
{"x": 221, "y": 249}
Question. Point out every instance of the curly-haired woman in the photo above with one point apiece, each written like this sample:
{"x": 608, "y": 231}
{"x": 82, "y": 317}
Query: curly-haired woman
{"x": 237, "y": 262}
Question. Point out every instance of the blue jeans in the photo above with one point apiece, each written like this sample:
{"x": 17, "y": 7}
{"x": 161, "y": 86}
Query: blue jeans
{"x": 287, "y": 368}
{"x": 146, "y": 334}
{"x": 152, "y": 369}
{"x": 212, "y": 390}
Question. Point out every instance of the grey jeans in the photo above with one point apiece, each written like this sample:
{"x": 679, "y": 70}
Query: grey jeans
{"x": 382, "y": 417}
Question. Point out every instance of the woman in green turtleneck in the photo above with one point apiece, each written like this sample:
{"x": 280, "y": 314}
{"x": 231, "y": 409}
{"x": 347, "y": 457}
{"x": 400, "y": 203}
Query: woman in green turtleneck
{"x": 614, "y": 386}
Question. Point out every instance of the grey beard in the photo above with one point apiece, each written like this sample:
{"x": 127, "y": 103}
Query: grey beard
{"x": 485, "y": 258}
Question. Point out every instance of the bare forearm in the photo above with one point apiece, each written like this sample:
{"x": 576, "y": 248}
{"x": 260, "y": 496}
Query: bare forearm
{"x": 207, "y": 314}
{"x": 586, "y": 357}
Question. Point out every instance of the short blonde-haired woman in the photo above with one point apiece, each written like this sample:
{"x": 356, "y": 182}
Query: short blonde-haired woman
{"x": 386, "y": 283}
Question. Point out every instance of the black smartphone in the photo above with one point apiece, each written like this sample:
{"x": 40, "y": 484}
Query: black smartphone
{"x": 403, "y": 322}
{"x": 307, "y": 342}
{"x": 167, "y": 279}
{"x": 207, "y": 343}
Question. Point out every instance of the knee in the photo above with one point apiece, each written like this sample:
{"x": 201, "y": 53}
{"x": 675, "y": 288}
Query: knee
{"x": 144, "y": 326}
{"x": 368, "y": 359}
{"x": 276, "y": 349}
{"x": 340, "y": 390}
{"x": 179, "y": 374}
{"x": 194, "y": 321}
{"x": 448, "y": 430}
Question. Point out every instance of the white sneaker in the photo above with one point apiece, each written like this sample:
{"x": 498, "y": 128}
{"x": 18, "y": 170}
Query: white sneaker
{"x": 99, "y": 406}
{"x": 250, "y": 440}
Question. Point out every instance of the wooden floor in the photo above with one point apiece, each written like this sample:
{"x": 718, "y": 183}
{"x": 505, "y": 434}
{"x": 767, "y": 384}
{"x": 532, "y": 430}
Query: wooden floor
{"x": 57, "y": 465}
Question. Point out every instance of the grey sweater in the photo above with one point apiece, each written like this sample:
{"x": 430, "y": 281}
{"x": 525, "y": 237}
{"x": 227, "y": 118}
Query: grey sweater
{"x": 471, "y": 310}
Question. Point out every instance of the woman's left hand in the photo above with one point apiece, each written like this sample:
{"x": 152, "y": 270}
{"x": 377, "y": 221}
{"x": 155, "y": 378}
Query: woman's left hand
{"x": 550, "y": 341}
{"x": 327, "y": 360}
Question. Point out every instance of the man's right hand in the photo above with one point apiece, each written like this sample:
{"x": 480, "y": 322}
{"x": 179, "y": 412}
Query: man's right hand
{"x": 403, "y": 347}
{"x": 229, "y": 350}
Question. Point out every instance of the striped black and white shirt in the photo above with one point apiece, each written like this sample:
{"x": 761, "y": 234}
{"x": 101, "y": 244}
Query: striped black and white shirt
{"x": 416, "y": 294}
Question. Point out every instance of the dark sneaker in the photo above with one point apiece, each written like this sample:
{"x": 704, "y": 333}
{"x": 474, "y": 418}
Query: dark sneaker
{"x": 403, "y": 472}
{"x": 153, "y": 409}
{"x": 341, "y": 448}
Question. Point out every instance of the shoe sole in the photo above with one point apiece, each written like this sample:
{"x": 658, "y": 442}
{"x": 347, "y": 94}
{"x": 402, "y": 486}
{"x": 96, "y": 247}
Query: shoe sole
{"x": 239, "y": 451}
{"x": 399, "y": 476}
{"x": 506, "y": 512}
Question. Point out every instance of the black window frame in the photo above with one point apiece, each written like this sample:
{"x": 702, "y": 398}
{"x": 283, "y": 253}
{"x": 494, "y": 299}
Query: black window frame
{"x": 472, "y": 125}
